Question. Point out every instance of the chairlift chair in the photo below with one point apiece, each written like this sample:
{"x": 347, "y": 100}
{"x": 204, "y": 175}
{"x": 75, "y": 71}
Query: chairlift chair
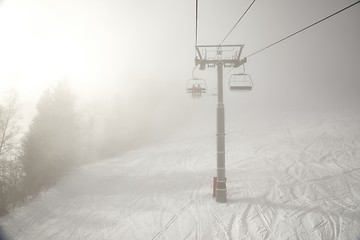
{"x": 240, "y": 82}
{"x": 196, "y": 86}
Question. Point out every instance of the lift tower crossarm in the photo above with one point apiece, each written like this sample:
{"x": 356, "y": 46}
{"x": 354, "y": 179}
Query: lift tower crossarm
{"x": 231, "y": 61}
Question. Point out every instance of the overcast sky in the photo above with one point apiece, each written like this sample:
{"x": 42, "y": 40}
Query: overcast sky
{"x": 137, "y": 47}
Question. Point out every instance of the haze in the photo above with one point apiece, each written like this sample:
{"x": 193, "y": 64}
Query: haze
{"x": 140, "y": 54}
{"x": 117, "y": 148}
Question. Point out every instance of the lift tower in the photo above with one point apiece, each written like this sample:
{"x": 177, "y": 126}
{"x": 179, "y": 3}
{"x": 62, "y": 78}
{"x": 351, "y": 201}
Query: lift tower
{"x": 221, "y": 56}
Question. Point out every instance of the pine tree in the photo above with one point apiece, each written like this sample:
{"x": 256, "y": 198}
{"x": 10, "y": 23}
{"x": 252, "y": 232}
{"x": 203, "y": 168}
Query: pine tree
{"x": 50, "y": 148}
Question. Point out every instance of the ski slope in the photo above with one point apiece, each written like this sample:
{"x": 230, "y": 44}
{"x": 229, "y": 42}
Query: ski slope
{"x": 286, "y": 180}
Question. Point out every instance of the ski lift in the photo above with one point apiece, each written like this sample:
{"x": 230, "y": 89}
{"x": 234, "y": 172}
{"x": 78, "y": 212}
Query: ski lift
{"x": 196, "y": 86}
{"x": 240, "y": 82}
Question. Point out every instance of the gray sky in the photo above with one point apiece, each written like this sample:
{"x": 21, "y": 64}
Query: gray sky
{"x": 136, "y": 48}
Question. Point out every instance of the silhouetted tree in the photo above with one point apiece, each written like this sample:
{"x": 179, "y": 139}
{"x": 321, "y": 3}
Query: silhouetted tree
{"x": 10, "y": 167}
{"x": 50, "y": 148}
{"x": 91, "y": 131}
{"x": 9, "y": 124}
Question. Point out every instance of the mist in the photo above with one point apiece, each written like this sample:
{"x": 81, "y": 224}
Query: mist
{"x": 128, "y": 65}
{"x": 144, "y": 66}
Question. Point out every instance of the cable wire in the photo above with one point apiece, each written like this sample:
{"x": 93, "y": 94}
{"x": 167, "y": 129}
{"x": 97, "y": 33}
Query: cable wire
{"x": 237, "y": 22}
{"x": 311, "y": 25}
{"x": 196, "y": 24}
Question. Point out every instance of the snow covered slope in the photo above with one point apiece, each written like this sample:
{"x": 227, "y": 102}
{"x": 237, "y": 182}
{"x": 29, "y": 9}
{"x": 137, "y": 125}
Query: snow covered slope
{"x": 297, "y": 180}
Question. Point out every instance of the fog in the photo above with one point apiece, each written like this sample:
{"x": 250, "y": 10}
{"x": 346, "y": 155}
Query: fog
{"x": 129, "y": 154}
{"x": 132, "y": 59}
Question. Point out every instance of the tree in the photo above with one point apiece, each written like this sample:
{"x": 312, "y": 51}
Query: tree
{"x": 50, "y": 147}
{"x": 10, "y": 167}
{"x": 91, "y": 131}
{"x": 9, "y": 124}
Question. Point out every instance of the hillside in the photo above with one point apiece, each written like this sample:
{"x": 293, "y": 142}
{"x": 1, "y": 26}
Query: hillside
{"x": 286, "y": 180}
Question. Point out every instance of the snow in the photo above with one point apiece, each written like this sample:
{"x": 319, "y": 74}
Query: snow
{"x": 286, "y": 180}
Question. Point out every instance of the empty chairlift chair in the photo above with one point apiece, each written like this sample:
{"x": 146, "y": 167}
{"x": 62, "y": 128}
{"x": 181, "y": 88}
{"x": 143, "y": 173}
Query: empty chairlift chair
{"x": 240, "y": 82}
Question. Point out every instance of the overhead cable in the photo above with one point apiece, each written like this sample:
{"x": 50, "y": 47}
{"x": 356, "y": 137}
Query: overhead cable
{"x": 311, "y": 25}
{"x": 196, "y": 22}
{"x": 237, "y": 22}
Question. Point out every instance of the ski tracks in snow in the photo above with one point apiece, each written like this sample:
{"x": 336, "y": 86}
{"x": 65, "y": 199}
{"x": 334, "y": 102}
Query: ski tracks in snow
{"x": 301, "y": 184}
{"x": 297, "y": 203}
{"x": 171, "y": 222}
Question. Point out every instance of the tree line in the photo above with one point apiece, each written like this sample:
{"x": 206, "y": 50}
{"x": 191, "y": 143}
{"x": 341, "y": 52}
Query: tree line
{"x": 53, "y": 144}
{"x": 63, "y": 135}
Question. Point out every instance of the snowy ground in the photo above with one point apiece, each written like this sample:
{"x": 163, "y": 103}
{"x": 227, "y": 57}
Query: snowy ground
{"x": 298, "y": 180}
